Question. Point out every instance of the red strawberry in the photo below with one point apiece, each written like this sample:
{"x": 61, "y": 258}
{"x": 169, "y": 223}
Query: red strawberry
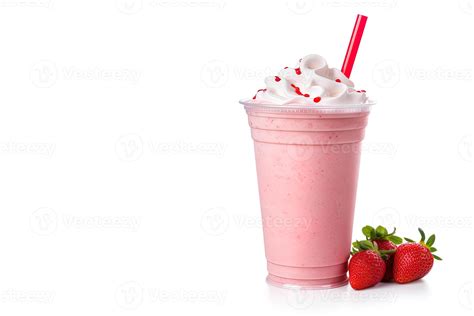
{"x": 413, "y": 261}
{"x": 387, "y": 245}
{"x": 385, "y": 241}
{"x": 366, "y": 267}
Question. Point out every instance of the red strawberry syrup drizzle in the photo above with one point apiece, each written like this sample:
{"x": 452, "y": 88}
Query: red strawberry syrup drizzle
{"x": 255, "y": 96}
{"x": 298, "y": 92}
{"x": 297, "y": 89}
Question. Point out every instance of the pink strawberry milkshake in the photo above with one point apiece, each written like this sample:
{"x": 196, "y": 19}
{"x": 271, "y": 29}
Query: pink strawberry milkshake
{"x": 307, "y": 126}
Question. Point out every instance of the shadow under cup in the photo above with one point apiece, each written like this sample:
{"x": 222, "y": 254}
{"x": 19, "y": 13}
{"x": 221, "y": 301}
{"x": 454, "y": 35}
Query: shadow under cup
{"x": 307, "y": 168}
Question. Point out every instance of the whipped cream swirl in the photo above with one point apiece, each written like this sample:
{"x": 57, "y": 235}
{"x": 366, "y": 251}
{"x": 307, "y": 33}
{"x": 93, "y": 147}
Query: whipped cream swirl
{"x": 311, "y": 83}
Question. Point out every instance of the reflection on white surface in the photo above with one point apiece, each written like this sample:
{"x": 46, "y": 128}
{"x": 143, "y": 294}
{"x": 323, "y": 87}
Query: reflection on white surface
{"x": 386, "y": 294}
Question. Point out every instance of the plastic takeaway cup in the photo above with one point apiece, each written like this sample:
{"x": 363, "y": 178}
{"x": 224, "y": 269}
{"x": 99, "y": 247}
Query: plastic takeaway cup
{"x": 307, "y": 168}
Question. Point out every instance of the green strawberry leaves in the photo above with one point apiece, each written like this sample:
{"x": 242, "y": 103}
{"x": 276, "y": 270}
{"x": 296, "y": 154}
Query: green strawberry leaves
{"x": 363, "y": 245}
{"x": 395, "y": 239}
{"x": 372, "y": 234}
{"x": 422, "y": 233}
{"x": 428, "y": 244}
{"x": 431, "y": 240}
{"x": 381, "y": 232}
{"x": 368, "y": 231}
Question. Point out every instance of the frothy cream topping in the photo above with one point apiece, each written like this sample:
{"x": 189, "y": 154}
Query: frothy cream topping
{"x": 311, "y": 83}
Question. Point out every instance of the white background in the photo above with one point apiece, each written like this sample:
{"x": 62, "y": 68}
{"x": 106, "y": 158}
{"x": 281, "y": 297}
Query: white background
{"x": 126, "y": 164}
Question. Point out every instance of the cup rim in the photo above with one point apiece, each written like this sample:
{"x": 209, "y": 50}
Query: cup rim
{"x": 299, "y": 108}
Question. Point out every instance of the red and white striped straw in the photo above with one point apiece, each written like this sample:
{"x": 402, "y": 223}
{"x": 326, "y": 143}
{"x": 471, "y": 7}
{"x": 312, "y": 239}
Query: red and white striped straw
{"x": 353, "y": 45}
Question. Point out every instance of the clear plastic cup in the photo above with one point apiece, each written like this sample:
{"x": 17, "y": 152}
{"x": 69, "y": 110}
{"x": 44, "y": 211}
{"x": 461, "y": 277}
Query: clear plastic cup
{"x": 307, "y": 169}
